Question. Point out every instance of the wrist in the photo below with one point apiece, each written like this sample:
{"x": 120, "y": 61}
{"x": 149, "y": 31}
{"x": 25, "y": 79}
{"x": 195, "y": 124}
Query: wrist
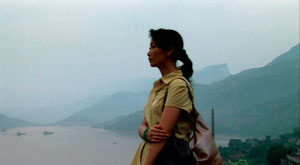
{"x": 145, "y": 135}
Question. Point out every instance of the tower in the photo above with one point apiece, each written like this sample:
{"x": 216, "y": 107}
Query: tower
{"x": 213, "y": 122}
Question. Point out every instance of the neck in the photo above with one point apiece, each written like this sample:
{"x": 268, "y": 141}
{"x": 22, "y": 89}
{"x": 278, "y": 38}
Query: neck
{"x": 167, "y": 68}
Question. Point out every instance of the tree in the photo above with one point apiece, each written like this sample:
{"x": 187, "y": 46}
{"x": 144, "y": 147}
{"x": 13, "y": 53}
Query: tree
{"x": 230, "y": 163}
{"x": 275, "y": 153}
{"x": 235, "y": 145}
{"x": 240, "y": 162}
{"x": 257, "y": 154}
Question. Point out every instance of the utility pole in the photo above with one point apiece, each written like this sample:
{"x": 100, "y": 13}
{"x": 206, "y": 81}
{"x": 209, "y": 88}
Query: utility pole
{"x": 213, "y": 122}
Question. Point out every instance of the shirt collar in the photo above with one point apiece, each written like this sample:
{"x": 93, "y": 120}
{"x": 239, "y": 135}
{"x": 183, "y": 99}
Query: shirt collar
{"x": 171, "y": 76}
{"x": 165, "y": 80}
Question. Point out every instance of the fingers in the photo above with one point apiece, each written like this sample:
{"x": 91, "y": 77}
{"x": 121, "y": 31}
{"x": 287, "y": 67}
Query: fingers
{"x": 156, "y": 134}
{"x": 158, "y": 128}
{"x": 159, "y": 134}
{"x": 157, "y": 139}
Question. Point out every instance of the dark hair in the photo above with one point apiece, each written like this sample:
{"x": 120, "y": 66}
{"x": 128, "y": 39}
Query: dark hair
{"x": 167, "y": 39}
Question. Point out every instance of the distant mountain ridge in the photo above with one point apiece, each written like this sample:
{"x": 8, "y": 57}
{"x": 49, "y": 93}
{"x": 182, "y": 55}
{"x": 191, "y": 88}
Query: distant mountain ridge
{"x": 255, "y": 102}
{"x": 130, "y": 122}
{"x": 7, "y": 122}
{"x": 274, "y": 80}
{"x": 124, "y": 103}
{"x": 211, "y": 74}
{"x": 240, "y": 94}
{"x": 118, "y": 104}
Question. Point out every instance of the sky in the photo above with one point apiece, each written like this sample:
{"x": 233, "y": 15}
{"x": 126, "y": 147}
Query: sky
{"x": 55, "y": 53}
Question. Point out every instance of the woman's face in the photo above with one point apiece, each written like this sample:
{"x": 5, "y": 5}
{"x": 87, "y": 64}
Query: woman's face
{"x": 156, "y": 55}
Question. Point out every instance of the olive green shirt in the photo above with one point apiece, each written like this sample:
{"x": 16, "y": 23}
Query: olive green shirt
{"x": 177, "y": 97}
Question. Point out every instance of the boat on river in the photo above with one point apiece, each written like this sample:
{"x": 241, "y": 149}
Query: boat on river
{"x": 47, "y": 133}
{"x": 20, "y": 133}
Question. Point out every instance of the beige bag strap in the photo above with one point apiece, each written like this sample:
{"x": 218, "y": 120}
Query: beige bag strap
{"x": 191, "y": 98}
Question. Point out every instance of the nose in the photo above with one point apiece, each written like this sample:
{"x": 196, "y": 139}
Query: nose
{"x": 148, "y": 54}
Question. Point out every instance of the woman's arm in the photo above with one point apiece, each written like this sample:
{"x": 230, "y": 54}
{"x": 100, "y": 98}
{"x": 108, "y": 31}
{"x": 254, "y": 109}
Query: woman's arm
{"x": 168, "y": 121}
{"x": 155, "y": 134}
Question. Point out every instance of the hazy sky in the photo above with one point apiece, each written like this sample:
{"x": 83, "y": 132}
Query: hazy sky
{"x": 59, "y": 51}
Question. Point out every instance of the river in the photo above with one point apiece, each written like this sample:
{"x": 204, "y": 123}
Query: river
{"x": 69, "y": 146}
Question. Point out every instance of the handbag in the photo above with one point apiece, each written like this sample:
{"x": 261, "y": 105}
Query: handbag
{"x": 176, "y": 152}
{"x": 203, "y": 145}
{"x": 201, "y": 149}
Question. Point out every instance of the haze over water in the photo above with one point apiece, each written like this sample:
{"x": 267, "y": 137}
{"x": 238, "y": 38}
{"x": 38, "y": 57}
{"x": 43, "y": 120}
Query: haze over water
{"x": 69, "y": 146}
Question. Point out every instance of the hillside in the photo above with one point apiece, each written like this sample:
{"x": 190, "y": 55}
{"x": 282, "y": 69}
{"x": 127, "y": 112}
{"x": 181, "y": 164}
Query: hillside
{"x": 211, "y": 74}
{"x": 238, "y": 97}
{"x": 124, "y": 103}
{"x": 118, "y": 104}
{"x": 130, "y": 122}
{"x": 260, "y": 101}
{"x": 7, "y": 122}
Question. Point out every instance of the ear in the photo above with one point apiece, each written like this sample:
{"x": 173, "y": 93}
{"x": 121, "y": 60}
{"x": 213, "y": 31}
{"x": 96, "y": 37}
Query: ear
{"x": 169, "y": 51}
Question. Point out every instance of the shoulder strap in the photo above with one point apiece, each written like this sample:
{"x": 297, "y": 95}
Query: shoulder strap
{"x": 191, "y": 98}
{"x": 190, "y": 93}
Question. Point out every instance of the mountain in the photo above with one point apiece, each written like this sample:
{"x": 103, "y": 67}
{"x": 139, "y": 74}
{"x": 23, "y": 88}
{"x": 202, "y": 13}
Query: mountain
{"x": 211, "y": 74}
{"x": 242, "y": 101}
{"x": 279, "y": 78}
{"x": 118, "y": 104}
{"x": 130, "y": 122}
{"x": 256, "y": 102}
{"x": 7, "y": 122}
{"x": 123, "y": 103}
{"x": 130, "y": 85}
{"x": 65, "y": 104}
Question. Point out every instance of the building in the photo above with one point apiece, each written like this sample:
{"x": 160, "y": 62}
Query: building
{"x": 293, "y": 158}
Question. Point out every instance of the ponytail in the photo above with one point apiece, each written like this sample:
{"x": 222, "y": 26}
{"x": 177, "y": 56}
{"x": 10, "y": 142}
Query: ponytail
{"x": 187, "y": 67}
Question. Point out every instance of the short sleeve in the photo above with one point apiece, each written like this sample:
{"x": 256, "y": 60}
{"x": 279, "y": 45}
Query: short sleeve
{"x": 178, "y": 96}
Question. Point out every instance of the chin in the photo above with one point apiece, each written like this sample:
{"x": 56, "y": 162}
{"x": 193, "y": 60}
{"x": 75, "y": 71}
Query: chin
{"x": 152, "y": 65}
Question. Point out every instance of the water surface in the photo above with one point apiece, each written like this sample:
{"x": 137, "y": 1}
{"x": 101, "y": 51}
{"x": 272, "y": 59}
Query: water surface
{"x": 67, "y": 146}
{"x": 70, "y": 146}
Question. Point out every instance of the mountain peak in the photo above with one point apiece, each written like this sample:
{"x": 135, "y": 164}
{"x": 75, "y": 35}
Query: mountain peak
{"x": 211, "y": 74}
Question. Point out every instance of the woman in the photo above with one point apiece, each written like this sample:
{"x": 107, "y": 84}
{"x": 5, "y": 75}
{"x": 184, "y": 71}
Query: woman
{"x": 171, "y": 114}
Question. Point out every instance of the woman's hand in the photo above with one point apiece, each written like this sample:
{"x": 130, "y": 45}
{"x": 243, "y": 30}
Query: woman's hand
{"x": 156, "y": 134}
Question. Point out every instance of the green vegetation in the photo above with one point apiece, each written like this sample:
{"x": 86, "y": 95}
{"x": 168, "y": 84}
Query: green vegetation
{"x": 254, "y": 151}
{"x": 275, "y": 153}
{"x": 240, "y": 162}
